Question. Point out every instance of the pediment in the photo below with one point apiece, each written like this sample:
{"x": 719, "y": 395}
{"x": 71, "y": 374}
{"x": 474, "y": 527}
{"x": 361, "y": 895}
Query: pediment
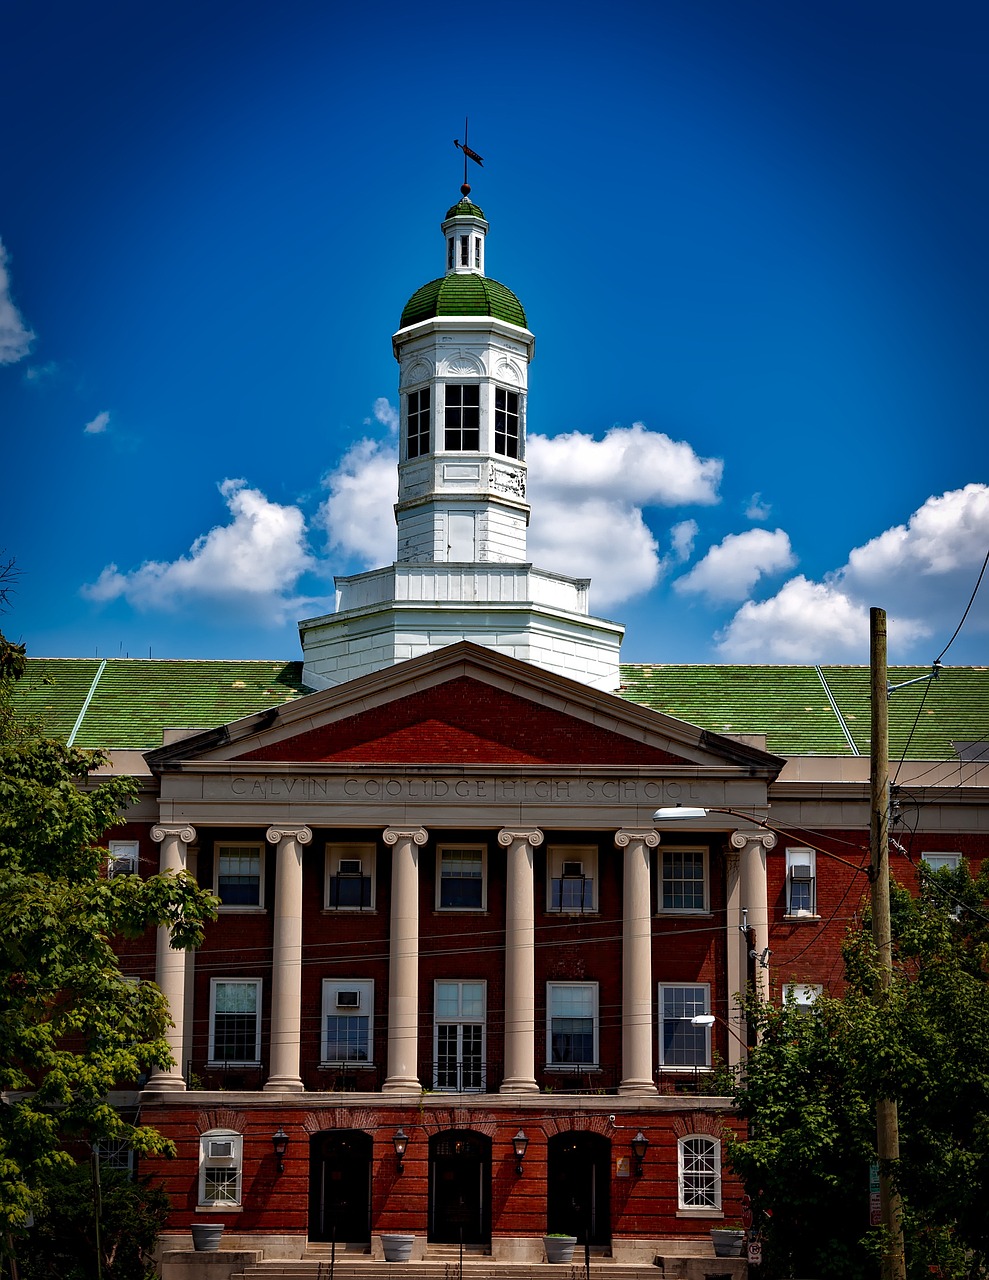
{"x": 463, "y": 705}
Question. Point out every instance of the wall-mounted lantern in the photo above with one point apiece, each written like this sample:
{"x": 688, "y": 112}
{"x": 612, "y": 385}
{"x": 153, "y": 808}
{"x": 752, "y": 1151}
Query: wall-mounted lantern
{"x": 640, "y": 1145}
{"x": 519, "y": 1144}
{"x": 400, "y": 1142}
{"x": 280, "y": 1141}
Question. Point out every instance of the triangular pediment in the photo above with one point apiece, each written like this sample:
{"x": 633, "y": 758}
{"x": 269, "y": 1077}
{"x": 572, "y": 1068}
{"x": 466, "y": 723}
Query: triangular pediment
{"x": 463, "y": 705}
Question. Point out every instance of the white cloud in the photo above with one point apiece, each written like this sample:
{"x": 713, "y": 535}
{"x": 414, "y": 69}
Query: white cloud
{"x": 582, "y": 538}
{"x": 249, "y": 566}
{"x": 682, "y": 538}
{"x": 922, "y": 573}
{"x": 15, "y": 336}
{"x": 358, "y": 515}
{"x": 38, "y": 373}
{"x": 386, "y": 413}
{"x": 98, "y": 425}
{"x": 631, "y": 465}
{"x": 729, "y": 571}
{"x": 756, "y": 509}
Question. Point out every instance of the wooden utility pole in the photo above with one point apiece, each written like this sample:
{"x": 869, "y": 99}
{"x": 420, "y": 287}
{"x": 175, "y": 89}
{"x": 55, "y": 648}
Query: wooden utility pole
{"x": 887, "y": 1124}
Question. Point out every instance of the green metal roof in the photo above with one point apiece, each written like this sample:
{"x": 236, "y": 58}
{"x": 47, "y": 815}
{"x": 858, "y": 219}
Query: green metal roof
{"x": 465, "y": 207}
{"x": 463, "y": 295}
{"x": 802, "y": 710}
{"x": 822, "y": 711}
{"x": 131, "y": 700}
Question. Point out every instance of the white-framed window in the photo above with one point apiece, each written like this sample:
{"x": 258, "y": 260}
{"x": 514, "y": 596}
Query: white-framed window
{"x": 461, "y": 883}
{"x": 572, "y": 1024}
{"x": 123, "y": 858}
{"x": 348, "y": 1021}
{"x": 350, "y": 877}
{"x": 571, "y": 882}
{"x": 683, "y": 880}
{"x": 235, "y": 1021}
{"x": 462, "y": 415}
{"x": 699, "y": 1172}
{"x": 682, "y": 1043}
{"x": 802, "y": 995}
{"x": 938, "y": 861}
{"x": 221, "y": 1159}
{"x": 801, "y": 882}
{"x": 507, "y": 419}
{"x": 238, "y": 877}
{"x": 116, "y": 1155}
{"x": 459, "y": 1019}
{"x": 418, "y": 418}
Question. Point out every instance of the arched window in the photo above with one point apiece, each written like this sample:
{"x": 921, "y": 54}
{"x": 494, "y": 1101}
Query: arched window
{"x": 699, "y": 1160}
{"x": 221, "y": 1159}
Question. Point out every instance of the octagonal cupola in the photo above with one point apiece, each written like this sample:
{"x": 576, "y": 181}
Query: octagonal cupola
{"x": 465, "y": 229}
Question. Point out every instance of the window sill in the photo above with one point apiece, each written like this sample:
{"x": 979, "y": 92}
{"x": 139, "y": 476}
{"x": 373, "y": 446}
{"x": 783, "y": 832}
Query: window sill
{"x": 219, "y": 1208}
{"x": 460, "y": 911}
{"x": 701, "y": 1068}
{"x": 572, "y": 1068}
{"x": 233, "y": 909}
{"x": 664, "y": 913}
{"x": 800, "y": 917}
{"x": 349, "y": 911}
{"x": 228, "y": 1065}
{"x": 327, "y": 1065}
{"x": 572, "y": 915}
{"x": 701, "y": 1213}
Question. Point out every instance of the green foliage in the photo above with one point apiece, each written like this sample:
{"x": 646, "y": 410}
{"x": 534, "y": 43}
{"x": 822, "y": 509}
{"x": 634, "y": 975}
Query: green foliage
{"x": 63, "y": 1240}
{"x": 71, "y": 1027}
{"x": 811, "y": 1087}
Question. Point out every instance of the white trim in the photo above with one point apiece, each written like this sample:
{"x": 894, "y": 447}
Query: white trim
{"x": 460, "y": 1020}
{"x": 587, "y": 856}
{"x": 703, "y": 987}
{"x": 232, "y": 1164}
{"x": 481, "y": 849}
{"x": 337, "y": 853}
{"x": 247, "y": 1062}
{"x": 705, "y": 853}
{"x": 714, "y": 1155}
{"x": 801, "y": 868}
{"x": 237, "y": 846}
{"x": 952, "y": 860}
{"x": 124, "y": 858}
{"x": 551, "y": 989}
{"x": 332, "y": 1009}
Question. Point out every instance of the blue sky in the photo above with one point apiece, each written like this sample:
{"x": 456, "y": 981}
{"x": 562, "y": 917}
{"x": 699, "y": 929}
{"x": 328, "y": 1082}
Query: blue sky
{"x": 750, "y": 240}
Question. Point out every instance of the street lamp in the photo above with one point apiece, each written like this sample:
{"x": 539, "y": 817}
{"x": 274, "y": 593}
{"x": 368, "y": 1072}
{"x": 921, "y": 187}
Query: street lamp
{"x": 280, "y": 1141}
{"x": 640, "y": 1145}
{"x": 519, "y": 1144}
{"x": 678, "y": 813}
{"x": 400, "y": 1141}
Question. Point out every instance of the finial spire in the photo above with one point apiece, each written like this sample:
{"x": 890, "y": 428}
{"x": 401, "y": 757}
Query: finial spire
{"x": 468, "y": 155}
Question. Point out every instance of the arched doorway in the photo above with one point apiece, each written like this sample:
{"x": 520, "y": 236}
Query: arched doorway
{"x": 578, "y": 1193}
{"x": 460, "y": 1187}
{"x": 340, "y": 1186}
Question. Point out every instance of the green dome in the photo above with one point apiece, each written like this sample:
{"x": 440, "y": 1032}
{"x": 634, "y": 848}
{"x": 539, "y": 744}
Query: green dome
{"x": 463, "y": 295}
{"x": 464, "y": 206}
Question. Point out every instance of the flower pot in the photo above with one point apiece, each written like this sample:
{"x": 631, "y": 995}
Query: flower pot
{"x": 728, "y": 1243}
{"x": 559, "y": 1248}
{"x": 206, "y": 1236}
{"x": 397, "y": 1248}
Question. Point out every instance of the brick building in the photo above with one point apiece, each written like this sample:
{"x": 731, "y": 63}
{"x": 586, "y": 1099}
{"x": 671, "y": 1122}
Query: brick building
{"x": 469, "y": 969}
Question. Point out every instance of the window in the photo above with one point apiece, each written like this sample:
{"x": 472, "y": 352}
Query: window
{"x": 239, "y": 881}
{"x": 460, "y": 884}
{"x": 936, "y": 861}
{"x": 235, "y": 1021}
{"x": 123, "y": 858}
{"x": 350, "y": 877}
{"x": 681, "y": 1043}
{"x": 458, "y": 1036}
{"x": 465, "y": 251}
{"x": 115, "y": 1155}
{"x": 572, "y": 1023}
{"x": 571, "y": 878}
{"x": 802, "y": 995}
{"x": 477, "y": 252}
{"x": 699, "y": 1161}
{"x": 449, "y": 253}
{"x": 462, "y": 419}
{"x": 417, "y": 423}
{"x": 683, "y": 880}
{"x": 506, "y": 422}
{"x": 801, "y": 882}
{"x": 348, "y": 1020}
{"x": 221, "y": 1156}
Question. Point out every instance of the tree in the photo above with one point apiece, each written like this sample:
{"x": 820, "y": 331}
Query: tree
{"x": 811, "y": 1085}
{"x": 72, "y": 1027}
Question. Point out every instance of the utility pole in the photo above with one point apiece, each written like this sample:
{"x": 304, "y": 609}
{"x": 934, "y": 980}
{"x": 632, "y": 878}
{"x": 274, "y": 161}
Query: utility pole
{"x": 887, "y": 1124}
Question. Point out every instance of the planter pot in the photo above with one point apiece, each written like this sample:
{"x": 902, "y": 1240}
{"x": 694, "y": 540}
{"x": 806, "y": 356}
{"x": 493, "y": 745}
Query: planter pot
{"x": 397, "y": 1248}
{"x": 727, "y": 1243}
{"x": 559, "y": 1248}
{"x": 206, "y": 1236}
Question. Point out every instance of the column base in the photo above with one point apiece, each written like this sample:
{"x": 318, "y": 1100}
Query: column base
{"x": 165, "y": 1082}
{"x": 401, "y": 1084}
{"x": 638, "y": 1086}
{"x": 283, "y": 1084}
{"x": 519, "y": 1084}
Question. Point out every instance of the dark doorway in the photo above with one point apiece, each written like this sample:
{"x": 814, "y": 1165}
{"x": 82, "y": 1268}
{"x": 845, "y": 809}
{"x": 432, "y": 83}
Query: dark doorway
{"x": 578, "y": 1195}
{"x": 459, "y": 1187}
{"x": 340, "y": 1186}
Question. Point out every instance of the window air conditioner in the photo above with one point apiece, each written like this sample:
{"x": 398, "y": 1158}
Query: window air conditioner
{"x": 350, "y": 867}
{"x": 801, "y": 871}
{"x": 573, "y": 870}
{"x": 348, "y": 999}
{"x": 220, "y": 1149}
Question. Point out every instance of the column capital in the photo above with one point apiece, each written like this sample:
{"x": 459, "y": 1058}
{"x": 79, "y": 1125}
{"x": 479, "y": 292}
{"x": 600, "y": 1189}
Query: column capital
{"x": 739, "y": 839}
{"x": 629, "y": 835}
{"x": 182, "y": 830}
{"x": 418, "y": 835}
{"x": 301, "y": 835}
{"x": 508, "y": 836}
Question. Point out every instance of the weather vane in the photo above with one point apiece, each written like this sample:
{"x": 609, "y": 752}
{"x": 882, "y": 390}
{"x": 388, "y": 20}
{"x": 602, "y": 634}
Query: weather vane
{"x": 468, "y": 155}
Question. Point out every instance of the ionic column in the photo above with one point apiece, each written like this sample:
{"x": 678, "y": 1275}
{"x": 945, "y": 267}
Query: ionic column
{"x": 170, "y": 962}
{"x": 753, "y": 898}
{"x": 520, "y": 962}
{"x": 637, "y": 998}
{"x": 403, "y": 961}
{"x": 286, "y": 959}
